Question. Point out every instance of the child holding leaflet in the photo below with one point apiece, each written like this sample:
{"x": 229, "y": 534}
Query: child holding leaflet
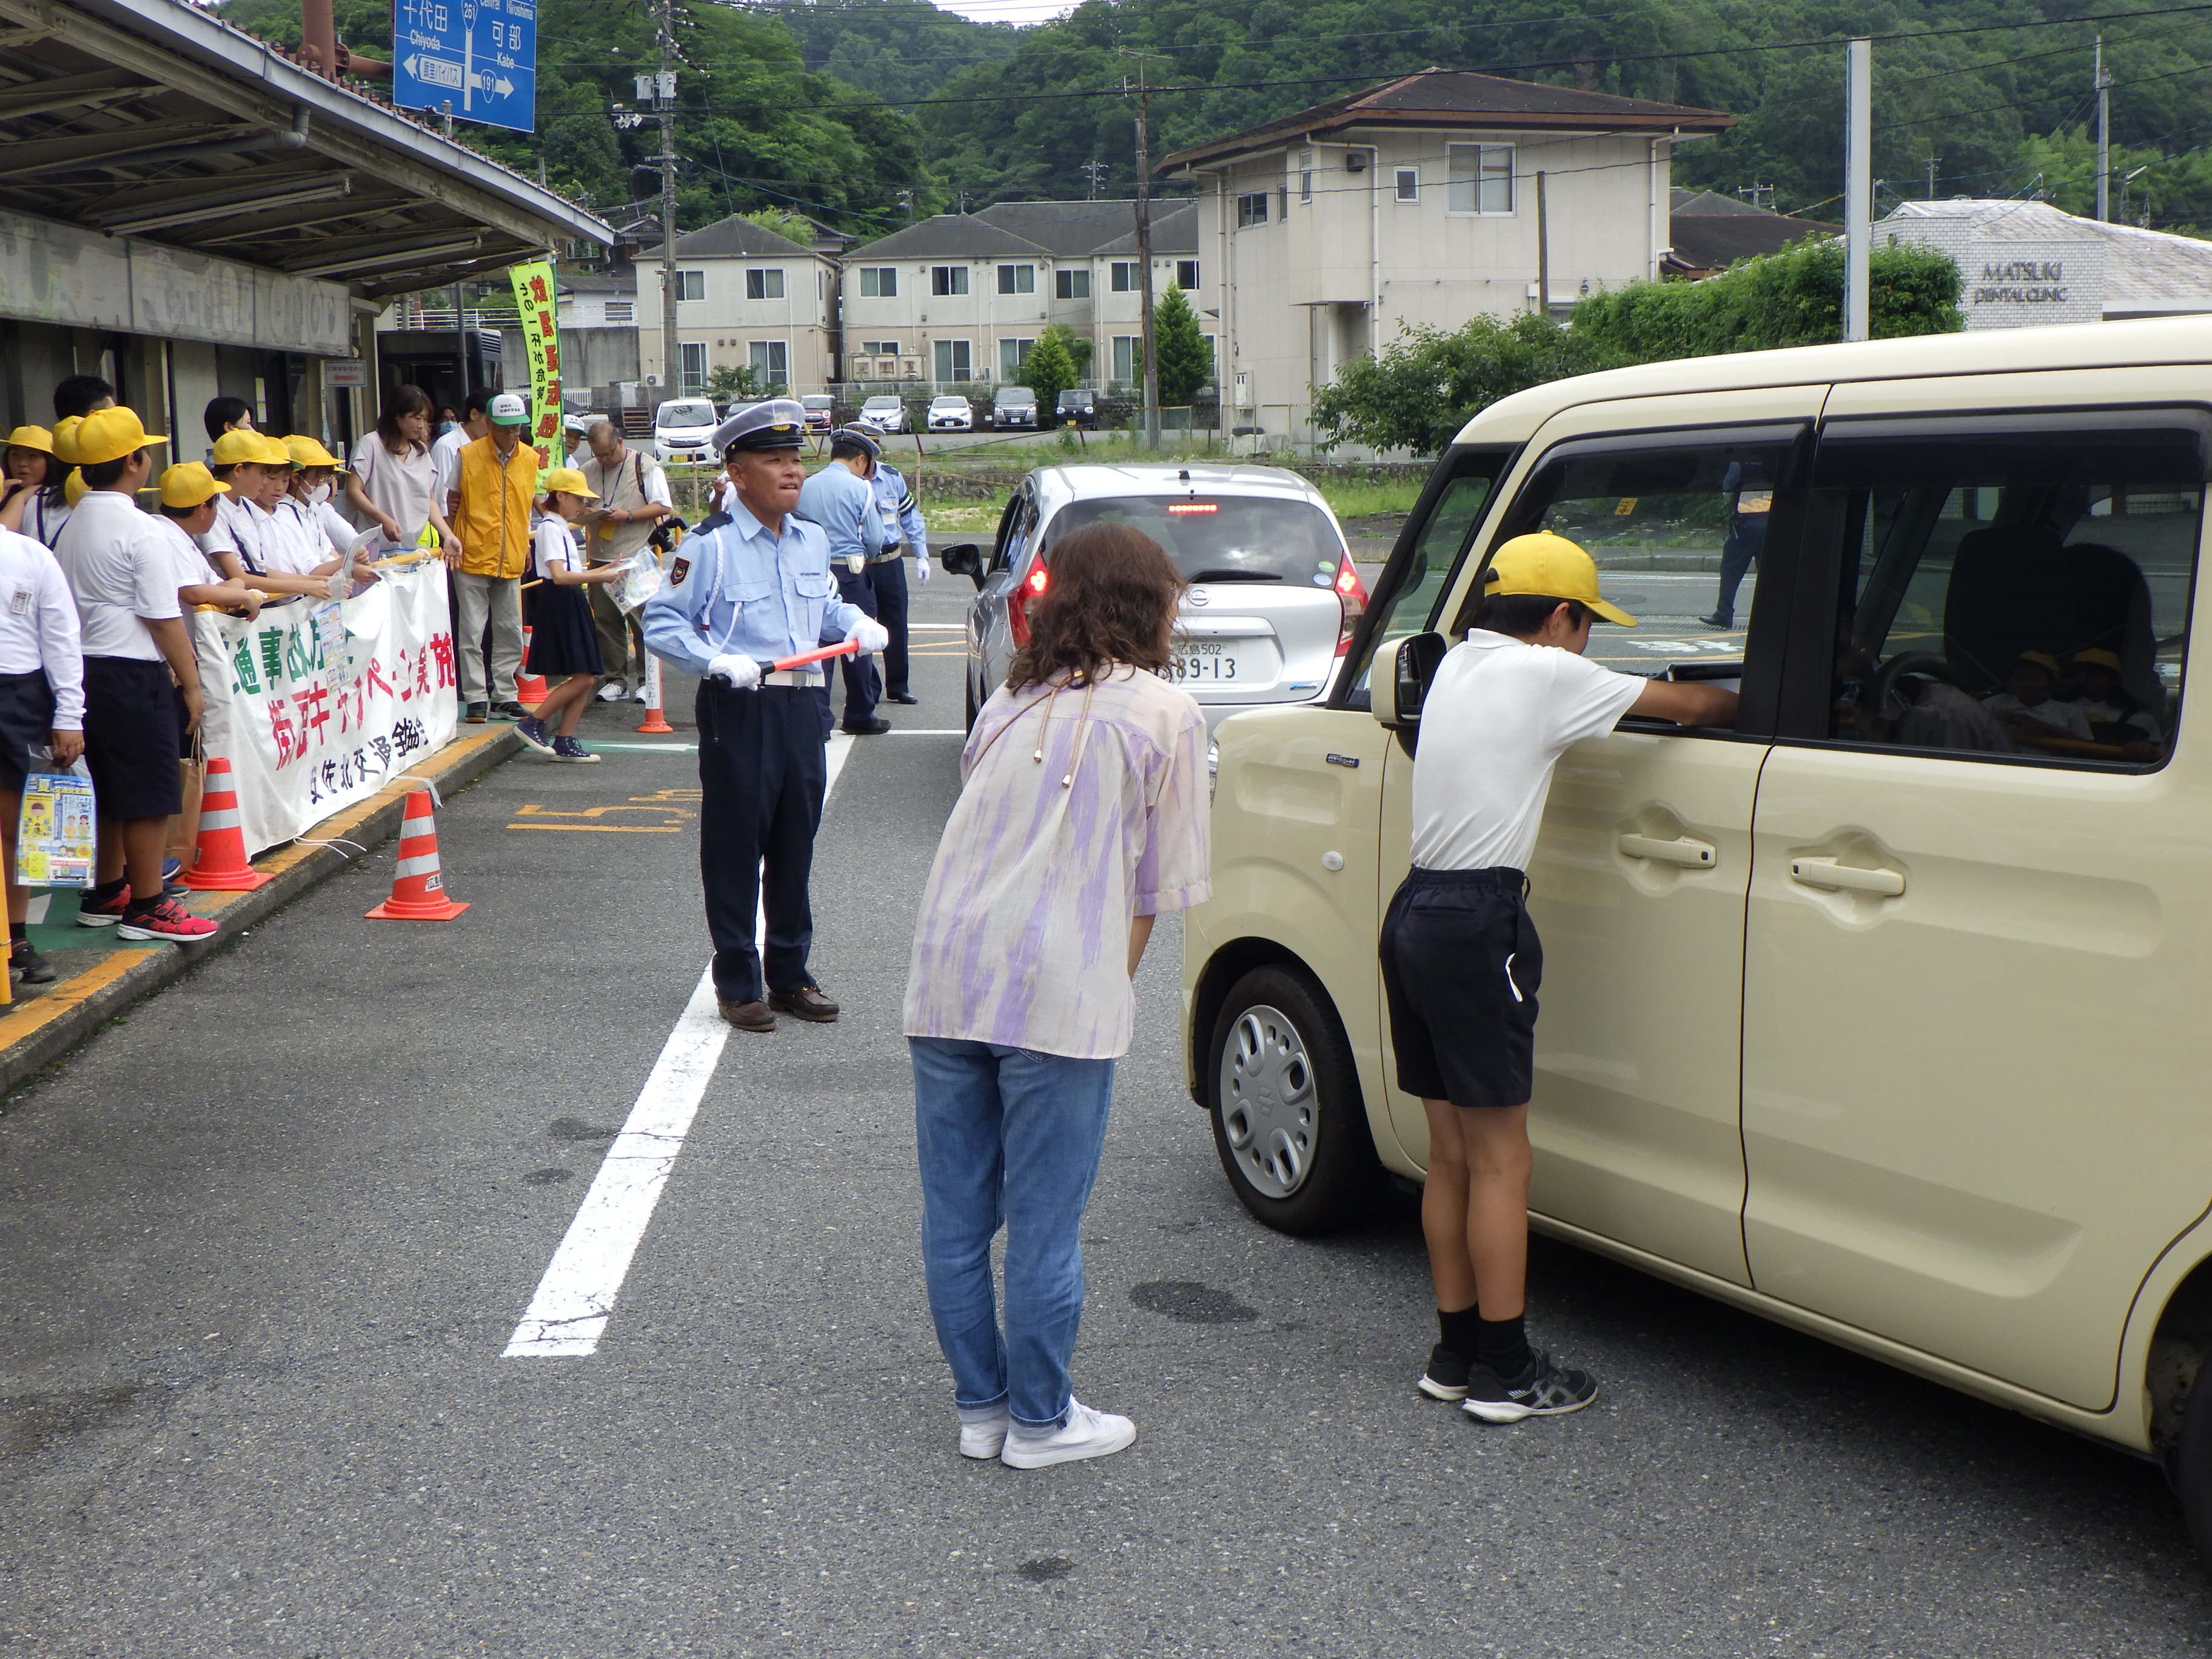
{"x": 562, "y": 640}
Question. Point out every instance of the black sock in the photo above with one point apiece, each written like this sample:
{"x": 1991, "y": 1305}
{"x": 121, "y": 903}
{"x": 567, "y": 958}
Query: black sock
{"x": 1503, "y": 1345}
{"x": 1460, "y": 1330}
{"x": 19, "y": 932}
{"x": 107, "y": 890}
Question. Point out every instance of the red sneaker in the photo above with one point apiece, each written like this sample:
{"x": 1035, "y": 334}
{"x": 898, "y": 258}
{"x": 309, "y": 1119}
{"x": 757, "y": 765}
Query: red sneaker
{"x": 105, "y": 912}
{"x": 164, "y": 919}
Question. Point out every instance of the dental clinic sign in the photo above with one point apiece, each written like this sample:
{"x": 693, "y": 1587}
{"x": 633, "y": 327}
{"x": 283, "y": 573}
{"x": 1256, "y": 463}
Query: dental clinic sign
{"x": 2021, "y": 265}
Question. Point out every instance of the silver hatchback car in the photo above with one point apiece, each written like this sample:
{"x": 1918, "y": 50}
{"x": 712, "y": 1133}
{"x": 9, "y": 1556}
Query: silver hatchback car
{"x": 1273, "y": 594}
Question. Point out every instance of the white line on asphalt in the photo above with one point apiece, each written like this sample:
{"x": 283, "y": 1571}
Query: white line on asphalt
{"x": 926, "y": 731}
{"x": 649, "y": 748}
{"x": 575, "y": 1299}
{"x": 937, "y": 627}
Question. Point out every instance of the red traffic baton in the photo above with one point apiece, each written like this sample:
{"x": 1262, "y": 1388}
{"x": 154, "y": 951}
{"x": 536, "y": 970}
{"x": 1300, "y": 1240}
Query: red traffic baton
{"x": 842, "y": 648}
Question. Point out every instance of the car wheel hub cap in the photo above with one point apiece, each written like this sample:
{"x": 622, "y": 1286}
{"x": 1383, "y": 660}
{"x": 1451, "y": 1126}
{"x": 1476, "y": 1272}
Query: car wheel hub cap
{"x": 1269, "y": 1108}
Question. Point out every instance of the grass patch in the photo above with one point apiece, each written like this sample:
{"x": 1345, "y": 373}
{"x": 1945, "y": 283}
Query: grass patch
{"x": 1363, "y": 498}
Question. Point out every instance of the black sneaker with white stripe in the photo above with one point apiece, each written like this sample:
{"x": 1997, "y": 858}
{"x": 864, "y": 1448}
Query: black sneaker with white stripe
{"x": 1543, "y": 1390}
{"x": 1446, "y": 1377}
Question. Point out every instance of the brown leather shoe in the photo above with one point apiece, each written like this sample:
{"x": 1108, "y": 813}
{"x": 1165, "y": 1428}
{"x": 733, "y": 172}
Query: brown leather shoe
{"x": 807, "y": 1002}
{"x": 752, "y": 1016}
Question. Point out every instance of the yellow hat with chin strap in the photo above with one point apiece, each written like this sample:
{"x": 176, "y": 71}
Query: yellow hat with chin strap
{"x": 2098, "y": 657}
{"x": 569, "y": 481}
{"x": 307, "y": 452}
{"x": 240, "y": 447}
{"x": 32, "y": 437}
{"x": 64, "y": 437}
{"x": 1550, "y": 566}
{"x": 110, "y": 435}
{"x": 188, "y": 484}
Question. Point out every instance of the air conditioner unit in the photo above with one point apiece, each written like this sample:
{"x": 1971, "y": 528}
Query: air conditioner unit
{"x": 910, "y": 368}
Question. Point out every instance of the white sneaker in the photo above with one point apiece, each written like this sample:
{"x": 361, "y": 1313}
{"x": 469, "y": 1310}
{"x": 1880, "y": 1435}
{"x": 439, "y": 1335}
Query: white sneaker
{"x": 613, "y": 691}
{"x": 1085, "y": 1434}
{"x": 982, "y": 1440}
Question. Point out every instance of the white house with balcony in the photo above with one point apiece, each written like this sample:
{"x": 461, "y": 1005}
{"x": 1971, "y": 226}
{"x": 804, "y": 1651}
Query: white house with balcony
{"x": 746, "y": 298}
{"x": 1319, "y": 234}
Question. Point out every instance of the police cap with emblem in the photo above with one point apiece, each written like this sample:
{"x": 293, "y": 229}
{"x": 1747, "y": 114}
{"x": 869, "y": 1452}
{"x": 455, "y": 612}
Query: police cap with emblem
{"x": 779, "y": 423}
{"x": 851, "y": 440}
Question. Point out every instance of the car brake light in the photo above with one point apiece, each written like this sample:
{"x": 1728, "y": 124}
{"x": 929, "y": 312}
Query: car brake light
{"x": 1352, "y": 595}
{"x": 1031, "y": 585}
{"x": 1194, "y": 507}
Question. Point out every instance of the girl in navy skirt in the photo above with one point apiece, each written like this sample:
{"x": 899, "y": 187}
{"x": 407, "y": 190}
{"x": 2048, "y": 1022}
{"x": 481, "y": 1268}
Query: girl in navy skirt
{"x": 563, "y": 643}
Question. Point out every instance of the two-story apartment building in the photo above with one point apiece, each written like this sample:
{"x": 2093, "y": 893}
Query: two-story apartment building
{"x": 1323, "y": 233}
{"x": 746, "y": 296}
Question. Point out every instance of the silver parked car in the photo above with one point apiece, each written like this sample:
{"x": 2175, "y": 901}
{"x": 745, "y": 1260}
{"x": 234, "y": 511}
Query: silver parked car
{"x": 884, "y": 412}
{"x": 1273, "y": 594}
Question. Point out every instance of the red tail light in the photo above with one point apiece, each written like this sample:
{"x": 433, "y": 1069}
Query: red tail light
{"x": 1031, "y": 585}
{"x": 1351, "y": 595}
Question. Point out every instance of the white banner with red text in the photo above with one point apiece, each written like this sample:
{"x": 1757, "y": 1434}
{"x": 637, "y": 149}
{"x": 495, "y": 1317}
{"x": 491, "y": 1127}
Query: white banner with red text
{"x": 319, "y": 706}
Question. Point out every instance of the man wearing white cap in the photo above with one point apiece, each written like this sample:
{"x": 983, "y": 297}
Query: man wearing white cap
{"x": 739, "y": 598}
{"x": 495, "y": 483}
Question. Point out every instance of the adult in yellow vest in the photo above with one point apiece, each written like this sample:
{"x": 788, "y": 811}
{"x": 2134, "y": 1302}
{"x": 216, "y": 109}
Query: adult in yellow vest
{"x": 489, "y": 508}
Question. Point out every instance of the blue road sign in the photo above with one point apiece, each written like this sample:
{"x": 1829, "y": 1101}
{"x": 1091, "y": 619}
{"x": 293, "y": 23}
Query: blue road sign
{"x": 480, "y": 55}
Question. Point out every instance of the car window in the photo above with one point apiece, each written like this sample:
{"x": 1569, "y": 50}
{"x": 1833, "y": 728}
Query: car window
{"x": 1014, "y": 529}
{"x": 1224, "y": 538}
{"x": 1407, "y": 594}
{"x": 2015, "y": 586}
{"x": 687, "y": 414}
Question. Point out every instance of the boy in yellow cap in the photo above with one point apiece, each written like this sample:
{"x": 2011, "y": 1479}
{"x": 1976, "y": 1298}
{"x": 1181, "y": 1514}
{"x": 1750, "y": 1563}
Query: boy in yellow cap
{"x": 319, "y": 526}
{"x": 142, "y": 684}
{"x": 563, "y": 641}
{"x": 1460, "y": 959}
{"x": 189, "y": 494}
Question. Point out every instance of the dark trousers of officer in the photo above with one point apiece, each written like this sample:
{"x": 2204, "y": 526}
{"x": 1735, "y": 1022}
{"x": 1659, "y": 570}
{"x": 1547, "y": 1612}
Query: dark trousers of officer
{"x": 762, "y": 776}
{"x": 889, "y": 577}
{"x": 864, "y": 685}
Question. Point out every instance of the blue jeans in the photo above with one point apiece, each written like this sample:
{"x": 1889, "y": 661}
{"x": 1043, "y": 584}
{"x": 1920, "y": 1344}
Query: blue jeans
{"x": 1010, "y": 1136}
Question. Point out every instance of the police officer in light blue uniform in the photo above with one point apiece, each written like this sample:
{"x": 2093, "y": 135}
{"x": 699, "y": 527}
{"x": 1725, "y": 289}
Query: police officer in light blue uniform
{"x": 736, "y": 599}
{"x": 900, "y": 516}
{"x": 843, "y": 502}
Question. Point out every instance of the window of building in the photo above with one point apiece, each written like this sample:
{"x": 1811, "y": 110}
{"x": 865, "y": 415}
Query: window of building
{"x": 1481, "y": 178}
{"x": 948, "y": 279}
{"x": 1017, "y": 279}
{"x": 1071, "y": 284}
{"x": 771, "y": 361}
{"x": 879, "y": 348}
{"x": 952, "y": 360}
{"x": 1409, "y": 184}
{"x": 1128, "y": 361}
{"x": 1121, "y": 276}
{"x": 764, "y": 284}
{"x": 2015, "y": 586}
{"x": 1251, "y": 210}
{"x": 1186, "y": 274}
{"x": 1305, "y": 175}
{"x": 622, "y": 310}
{"x": 878, "y": 282}
{"x": 694, "y": 363}
{"x": 691, "y": 284}
{"x": 1011, "y": 355}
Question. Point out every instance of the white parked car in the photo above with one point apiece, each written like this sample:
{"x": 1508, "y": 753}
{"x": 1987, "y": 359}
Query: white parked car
{"x": 884, "y": 413}
{"x": 950, "y": 413}
{"x": 683, "y": 430}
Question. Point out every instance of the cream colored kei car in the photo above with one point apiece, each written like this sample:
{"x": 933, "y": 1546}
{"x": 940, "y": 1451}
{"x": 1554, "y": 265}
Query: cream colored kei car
{"x": 1883, "y": 1014}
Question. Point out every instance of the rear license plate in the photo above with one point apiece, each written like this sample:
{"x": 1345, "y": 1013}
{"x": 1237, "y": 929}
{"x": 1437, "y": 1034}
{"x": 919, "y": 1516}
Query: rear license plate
{"x": 1206, "y": 662}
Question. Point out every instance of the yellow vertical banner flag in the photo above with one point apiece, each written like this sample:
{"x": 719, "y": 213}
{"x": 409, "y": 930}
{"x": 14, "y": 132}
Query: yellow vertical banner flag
{"x": 536, "y": 300}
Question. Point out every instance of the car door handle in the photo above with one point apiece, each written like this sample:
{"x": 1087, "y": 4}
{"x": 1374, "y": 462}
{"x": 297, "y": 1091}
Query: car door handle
{"x": 1835, "y": 877}
{"x": 1682, "y": 850}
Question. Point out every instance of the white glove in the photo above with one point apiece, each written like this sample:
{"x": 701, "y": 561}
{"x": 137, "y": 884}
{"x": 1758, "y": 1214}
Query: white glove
{"x": 921, "y": 569}
{"x": 872, "y": 635}
{"x": 742, "y": 672}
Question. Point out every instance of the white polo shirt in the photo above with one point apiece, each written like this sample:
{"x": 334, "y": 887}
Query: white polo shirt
{"x": 188, "y": 564}
{"x": 120, "y": 575}
{"x": 39, "y": 627}
{"x": 1498, "y": 716}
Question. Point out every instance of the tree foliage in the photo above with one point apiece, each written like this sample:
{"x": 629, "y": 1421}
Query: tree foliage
{"x": 1421, "y": 391}
{"x": 1186, "y": 359}
{"x": 735, "y": 383}
{"x": 1049, "y": 369}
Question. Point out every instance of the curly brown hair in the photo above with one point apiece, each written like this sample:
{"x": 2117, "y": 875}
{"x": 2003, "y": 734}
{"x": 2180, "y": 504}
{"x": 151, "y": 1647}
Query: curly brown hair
{"x": 1110, "y": 598}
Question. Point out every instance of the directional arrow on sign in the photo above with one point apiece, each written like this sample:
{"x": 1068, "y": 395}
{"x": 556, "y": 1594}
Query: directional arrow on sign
{"x": 433, "y": 72}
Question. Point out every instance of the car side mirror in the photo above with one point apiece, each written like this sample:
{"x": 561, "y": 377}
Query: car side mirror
{"x": 965, "y": 559}
{"x": 1400, "y": 682}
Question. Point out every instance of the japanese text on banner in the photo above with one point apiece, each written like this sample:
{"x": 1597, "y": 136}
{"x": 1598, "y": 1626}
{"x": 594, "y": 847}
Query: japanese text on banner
{"x": 537, "y": 301}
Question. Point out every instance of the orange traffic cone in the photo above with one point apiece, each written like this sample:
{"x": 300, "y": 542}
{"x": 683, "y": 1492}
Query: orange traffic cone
{"x": 219, "y": 861}
{"x": 529, "y": 687}
{"x": 656, "y": 723}
{"x": 418, "y": 885}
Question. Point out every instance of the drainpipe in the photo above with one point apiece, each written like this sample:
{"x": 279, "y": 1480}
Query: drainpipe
{"x": 1652, "y": 214}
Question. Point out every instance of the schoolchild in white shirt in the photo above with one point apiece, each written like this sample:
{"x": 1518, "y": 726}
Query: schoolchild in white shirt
{"x": 563, "y": 641}
{"x": 41, "y": 705}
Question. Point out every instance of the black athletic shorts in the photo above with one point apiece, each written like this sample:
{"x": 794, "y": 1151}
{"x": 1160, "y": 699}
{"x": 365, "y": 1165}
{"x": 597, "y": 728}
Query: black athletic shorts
{"x": 27, "y": 722}
{"x": 1460, "y": 965}
{"x": 130, "y": 737}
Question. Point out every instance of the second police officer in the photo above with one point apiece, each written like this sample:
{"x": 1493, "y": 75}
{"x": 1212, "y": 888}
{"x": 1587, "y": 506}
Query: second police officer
{"x": 902, "y": 516}
{"x": 755, "y": 590}
{"x": 843, "y": 502}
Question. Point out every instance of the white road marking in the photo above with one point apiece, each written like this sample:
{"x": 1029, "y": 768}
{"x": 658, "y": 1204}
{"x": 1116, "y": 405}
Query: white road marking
{"x": 568, "y": 1315}
{"x": 935, "y": 628}
{"x": 924, "y": 732}
{"x": 40, "y": 904}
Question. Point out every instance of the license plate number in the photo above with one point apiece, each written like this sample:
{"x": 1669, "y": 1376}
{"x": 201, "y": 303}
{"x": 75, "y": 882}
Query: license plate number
{"x": 1203, "y": 660}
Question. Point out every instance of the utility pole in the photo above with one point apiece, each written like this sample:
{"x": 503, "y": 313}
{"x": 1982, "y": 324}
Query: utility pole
{"x": 1931, "y": 175}
{"x": 1151, "y": 343}
{"x": 664, "y": 98}
{"x": 2103, "y": 80}
{"x": 1095, "y": 173}
{"x": 1858, "y": 188}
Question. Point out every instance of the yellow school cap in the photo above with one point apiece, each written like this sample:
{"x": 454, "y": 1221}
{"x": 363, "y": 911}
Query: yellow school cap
{"x": 273, "y": 453}
{"x": 241, "y": 447}
{"x": 307, "y": 452}
{"x": 2042, "y": 659}
{"x": 2099, "y": 658}
{"x": 64, "y": 436}
{"x": 188, "y": 484}
{"x": 73, "y": 488}
{"x": 1553, "y": 568}
{"x": 32, "y": 437}
{"x": 109, "y": 435}
{"x": 569, "y": 481}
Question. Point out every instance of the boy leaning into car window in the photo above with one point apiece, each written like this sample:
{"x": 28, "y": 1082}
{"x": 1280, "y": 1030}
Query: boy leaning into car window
{"x": 1461, "y": 962}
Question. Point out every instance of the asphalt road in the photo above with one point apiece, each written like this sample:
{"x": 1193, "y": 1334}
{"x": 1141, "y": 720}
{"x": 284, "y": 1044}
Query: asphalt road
{"x": 262, "y": 1241}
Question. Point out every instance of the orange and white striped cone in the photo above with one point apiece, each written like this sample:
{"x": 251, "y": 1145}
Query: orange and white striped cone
{"x": 418, "y": 884}
{"x": 219, "y": 860}
{"x": 656, "y": 723}
{"x": 529, "y": 687}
